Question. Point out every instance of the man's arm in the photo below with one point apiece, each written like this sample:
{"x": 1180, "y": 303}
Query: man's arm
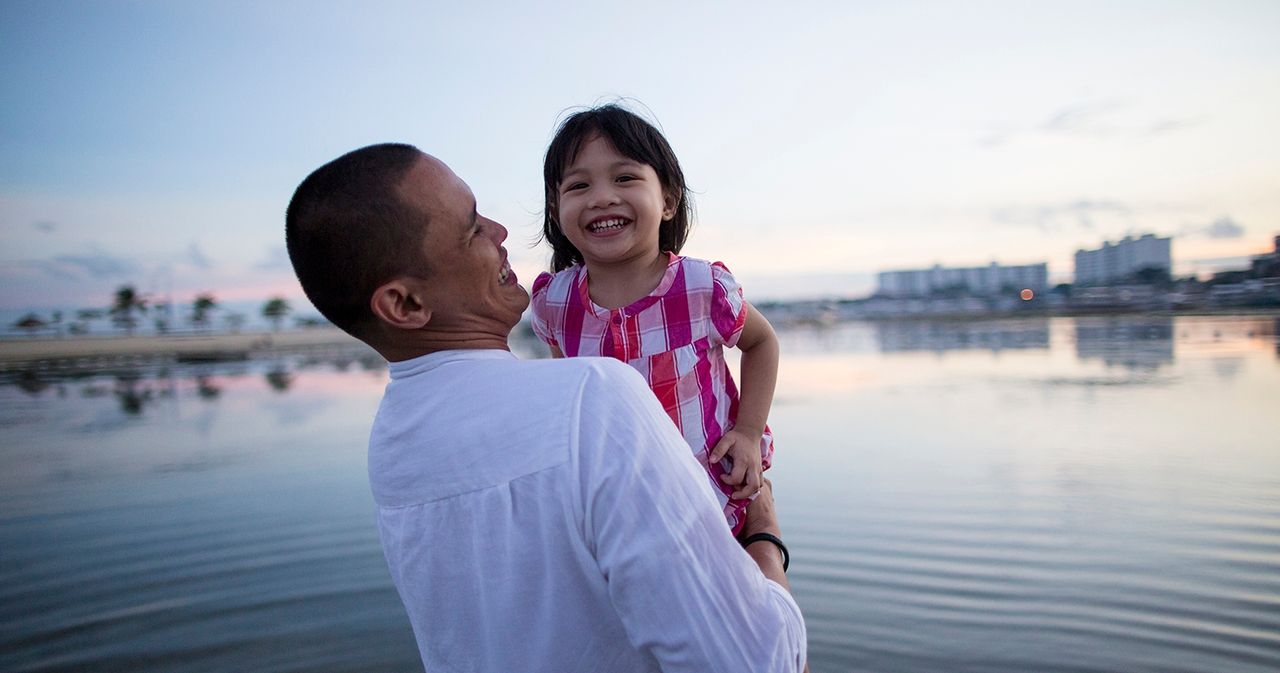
{"x": 762, "y": 518}
{"x": 683, "y": 587}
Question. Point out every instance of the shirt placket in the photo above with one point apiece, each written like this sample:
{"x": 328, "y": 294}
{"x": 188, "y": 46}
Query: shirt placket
{"x": 618, "y": 333}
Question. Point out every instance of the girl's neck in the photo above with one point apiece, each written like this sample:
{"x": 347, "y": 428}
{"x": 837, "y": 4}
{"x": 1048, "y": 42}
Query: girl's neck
{"x": 619, "y": 284}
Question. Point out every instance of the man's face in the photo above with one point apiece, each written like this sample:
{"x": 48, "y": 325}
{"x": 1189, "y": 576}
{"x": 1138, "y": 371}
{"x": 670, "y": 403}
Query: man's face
{"x": 468, "y": 283}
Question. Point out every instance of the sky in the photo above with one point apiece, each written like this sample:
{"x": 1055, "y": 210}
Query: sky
{"x": 157, "y": 144}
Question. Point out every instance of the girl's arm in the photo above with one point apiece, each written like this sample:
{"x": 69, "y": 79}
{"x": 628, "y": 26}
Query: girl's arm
{"x": 555, "y": 351}
{"x": 759, "y": 347}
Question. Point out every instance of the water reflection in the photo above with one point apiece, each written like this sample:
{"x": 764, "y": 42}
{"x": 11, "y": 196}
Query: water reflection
{"x": 207, "y": 388}
{"x": 280, "y": 379}
{"x": 940, "y": 336}
{"x": 31, "y": 383}
{"x": 944, "y": 513}
{"x": 132, "y": 394}
{"x": 1133, "y": 342}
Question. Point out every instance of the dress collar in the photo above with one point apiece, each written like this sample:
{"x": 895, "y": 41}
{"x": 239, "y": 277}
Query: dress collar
{"x": 668, "y": 278}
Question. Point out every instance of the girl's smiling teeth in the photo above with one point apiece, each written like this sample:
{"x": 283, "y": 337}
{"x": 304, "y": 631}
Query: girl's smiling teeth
{"x": 607, "y": 225}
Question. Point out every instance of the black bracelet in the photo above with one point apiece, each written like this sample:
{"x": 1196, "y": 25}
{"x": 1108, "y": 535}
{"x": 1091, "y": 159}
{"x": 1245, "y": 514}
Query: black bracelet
{"x": 770, "y": 537}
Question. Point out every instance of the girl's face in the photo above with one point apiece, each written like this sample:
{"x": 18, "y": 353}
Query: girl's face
{"x": 610, "y": 206}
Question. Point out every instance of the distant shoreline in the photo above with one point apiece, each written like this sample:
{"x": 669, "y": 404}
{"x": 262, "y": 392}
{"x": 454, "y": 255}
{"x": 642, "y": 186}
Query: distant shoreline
{"x": 18, "y": 353}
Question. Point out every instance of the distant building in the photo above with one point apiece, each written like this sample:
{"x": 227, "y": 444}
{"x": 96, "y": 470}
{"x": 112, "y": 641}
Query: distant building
{"x": 1268, "y": 265}
{"x": 1122, "y": 260}
{"x": 981, "y": 281}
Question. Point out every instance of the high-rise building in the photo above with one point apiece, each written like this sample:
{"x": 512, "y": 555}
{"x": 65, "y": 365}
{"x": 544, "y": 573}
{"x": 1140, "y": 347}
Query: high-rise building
{"x": 977, "y": 281}
{"x": 1119, "y": 261}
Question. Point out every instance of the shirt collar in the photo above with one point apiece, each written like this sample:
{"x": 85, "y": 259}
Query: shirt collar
{"x": 431, "y": 361}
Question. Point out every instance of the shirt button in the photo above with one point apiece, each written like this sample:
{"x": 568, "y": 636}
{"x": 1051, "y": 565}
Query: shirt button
{"x": 617, "y": 319}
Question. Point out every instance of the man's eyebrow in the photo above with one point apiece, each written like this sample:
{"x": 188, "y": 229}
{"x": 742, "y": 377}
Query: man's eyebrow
{"x": 475, "y": 219}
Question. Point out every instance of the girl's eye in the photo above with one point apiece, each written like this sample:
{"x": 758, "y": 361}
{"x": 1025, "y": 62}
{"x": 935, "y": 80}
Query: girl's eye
{"x": 626, "y": 178}
{"x": 574, "y": 186}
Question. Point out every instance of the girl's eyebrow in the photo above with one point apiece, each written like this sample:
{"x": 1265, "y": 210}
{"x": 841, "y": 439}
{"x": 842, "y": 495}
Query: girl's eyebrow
{"x": 624, "y": 163}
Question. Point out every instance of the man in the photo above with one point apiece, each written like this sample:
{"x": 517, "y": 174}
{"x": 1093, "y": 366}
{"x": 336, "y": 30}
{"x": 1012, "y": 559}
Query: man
{"x": 535, "y": 516}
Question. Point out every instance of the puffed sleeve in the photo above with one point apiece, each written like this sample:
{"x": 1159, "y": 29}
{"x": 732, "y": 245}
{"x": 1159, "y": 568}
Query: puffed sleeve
{"x": 684, "y": 588}
{"x": 541, "y": 319}
{"x": 728, "y": 308}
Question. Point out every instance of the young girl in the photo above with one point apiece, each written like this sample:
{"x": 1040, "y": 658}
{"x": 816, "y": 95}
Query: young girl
{"x": 617, "y": 213}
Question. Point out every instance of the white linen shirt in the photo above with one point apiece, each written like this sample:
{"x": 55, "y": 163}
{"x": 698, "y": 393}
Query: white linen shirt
{"x": 546, "y": 515}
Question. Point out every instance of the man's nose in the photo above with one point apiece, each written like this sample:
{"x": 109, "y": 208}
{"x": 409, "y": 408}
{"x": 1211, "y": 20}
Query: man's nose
{"x": 499, "y": 232}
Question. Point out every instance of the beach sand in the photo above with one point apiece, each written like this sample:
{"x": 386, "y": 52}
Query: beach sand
{"x": 18, "y": 353}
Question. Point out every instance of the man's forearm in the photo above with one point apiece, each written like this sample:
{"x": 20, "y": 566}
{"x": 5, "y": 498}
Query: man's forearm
{"x": 769, "y": 558}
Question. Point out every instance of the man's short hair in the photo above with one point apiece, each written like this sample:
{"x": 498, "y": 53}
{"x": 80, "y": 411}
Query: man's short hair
{"x": 348, "y": 231}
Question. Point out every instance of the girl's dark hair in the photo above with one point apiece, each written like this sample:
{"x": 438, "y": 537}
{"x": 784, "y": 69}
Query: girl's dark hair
{"x": 635, "y": 139}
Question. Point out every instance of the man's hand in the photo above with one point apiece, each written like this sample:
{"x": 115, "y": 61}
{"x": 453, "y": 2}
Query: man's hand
{"x": 744, "y": 449}
{"x": 762, "y": 517}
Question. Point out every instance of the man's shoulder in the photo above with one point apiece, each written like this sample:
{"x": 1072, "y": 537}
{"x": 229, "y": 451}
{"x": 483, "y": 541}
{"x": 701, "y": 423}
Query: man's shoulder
{"x": 597, "y": 385}
{"x": 557, "y": 377}
{"x": 595, "y": 371}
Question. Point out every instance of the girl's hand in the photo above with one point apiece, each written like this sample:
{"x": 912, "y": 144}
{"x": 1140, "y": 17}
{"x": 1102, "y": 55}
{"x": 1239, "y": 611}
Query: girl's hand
{"x": 744, "y": 449}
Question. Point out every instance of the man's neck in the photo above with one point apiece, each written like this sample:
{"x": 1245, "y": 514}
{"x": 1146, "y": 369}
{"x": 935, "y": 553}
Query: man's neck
{"x": 407, "y": 345}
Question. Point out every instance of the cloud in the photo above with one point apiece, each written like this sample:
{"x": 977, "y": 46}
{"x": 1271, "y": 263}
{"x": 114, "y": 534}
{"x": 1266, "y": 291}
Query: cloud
{"x": 197, "y": 258}
{"x": 1098, "y": 120}
{"x": 97, "y": 265}
{"x": 1083, "y": 119}
{"x": 1082, "y": 214}
{"x": 1222, "y": 228}
{"x": 45, "y": 225}
{"x": 1165, "y": 126}
{"x": 277, "y": 259}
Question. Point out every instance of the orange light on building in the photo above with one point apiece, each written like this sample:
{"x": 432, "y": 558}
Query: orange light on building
{"x": 1027, "y": 294}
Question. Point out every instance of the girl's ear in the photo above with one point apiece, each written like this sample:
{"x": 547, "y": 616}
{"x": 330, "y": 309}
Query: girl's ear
{"x": 553, "y": 212}
{"x": 670, "y": 204}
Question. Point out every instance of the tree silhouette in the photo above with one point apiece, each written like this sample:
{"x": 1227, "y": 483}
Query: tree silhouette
{"x": 30, "y": 323}
{"x": 127, "y": 302}
{"x": 202, "y": 308}
{"x": 275, "y": 310}
{"x": 279, "y": 379}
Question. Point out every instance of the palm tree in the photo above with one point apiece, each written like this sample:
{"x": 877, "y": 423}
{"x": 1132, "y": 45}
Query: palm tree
{"x": 30, "y": 323}
{"x": 127, "y": 301}
{"x": 275, "y": 310}
{"x": 201, "y": 308}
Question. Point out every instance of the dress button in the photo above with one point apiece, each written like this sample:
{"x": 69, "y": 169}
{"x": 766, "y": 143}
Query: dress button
{"x": 617, "y": 319}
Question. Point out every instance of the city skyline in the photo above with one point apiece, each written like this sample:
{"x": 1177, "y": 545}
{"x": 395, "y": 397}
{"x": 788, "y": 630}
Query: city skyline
{"x": 157, "y": 145}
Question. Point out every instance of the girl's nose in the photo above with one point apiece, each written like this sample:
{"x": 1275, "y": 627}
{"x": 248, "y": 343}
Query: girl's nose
{"x": 601, "y": 197}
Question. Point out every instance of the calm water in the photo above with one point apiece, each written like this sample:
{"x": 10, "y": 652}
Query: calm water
{"x": 1042, "y": 495}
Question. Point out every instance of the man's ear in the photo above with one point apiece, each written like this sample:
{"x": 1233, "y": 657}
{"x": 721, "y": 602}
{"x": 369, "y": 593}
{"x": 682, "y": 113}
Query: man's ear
{"x": 399, "y": 303}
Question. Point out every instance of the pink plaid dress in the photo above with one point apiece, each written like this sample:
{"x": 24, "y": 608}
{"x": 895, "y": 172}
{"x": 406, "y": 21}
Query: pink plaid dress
{"x": 675, "y": 338}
